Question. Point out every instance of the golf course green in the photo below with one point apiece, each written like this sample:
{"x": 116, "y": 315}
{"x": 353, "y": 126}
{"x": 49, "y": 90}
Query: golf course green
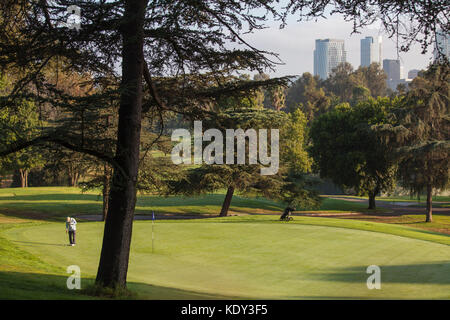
{"x": 254, "y": 257}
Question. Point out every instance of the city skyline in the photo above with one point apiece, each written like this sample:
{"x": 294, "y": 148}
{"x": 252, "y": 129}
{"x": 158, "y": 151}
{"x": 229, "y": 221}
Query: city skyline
{"x": 295, "y": 45}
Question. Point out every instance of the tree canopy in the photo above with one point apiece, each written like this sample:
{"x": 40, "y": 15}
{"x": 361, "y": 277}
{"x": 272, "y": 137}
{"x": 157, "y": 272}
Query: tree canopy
{"x": 347, "y": 150}
{"x": 419, "y": 133}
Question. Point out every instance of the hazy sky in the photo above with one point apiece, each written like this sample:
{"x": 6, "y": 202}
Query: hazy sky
{"x": 295, "y": 45}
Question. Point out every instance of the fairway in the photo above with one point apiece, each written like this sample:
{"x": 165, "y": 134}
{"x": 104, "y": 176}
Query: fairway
{"x": 258, "y": 258}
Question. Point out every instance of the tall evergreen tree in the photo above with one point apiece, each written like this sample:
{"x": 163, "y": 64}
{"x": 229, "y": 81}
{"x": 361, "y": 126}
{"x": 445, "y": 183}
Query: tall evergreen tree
{"x": 419, "y": 133}
{"x": 22, "y": 120}
{"x": 307, "y": 94}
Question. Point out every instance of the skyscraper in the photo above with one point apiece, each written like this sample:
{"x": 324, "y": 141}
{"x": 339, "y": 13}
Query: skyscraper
{"x": 392, "y": 69}
{"x": 328, "y": 54}
{"x": 380, "y": 50}
{"x": 371, "y": 51}
{"x": 394, "y": 72}
{"x": 368, "y": 51}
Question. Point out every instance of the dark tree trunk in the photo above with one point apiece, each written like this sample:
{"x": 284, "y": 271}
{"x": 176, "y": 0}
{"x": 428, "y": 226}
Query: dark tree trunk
{"x": 372, "y": 195}
{"x": 106, "y": 190}
{"x": 227, "y": 202}
{"x": 429, "y": 203}
{"x": 74, "y": 177}
{"x": 113, "y": 266}
{"x": 23, "y": 178}
{"x": 372, "y": 203}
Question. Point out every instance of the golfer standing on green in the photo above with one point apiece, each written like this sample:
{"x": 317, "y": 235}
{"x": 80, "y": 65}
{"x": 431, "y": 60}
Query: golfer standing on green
{"x": 71, "y": 228}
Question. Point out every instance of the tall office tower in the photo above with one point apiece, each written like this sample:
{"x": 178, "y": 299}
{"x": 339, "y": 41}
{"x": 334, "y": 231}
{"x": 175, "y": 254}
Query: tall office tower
{"x": 394, "y": 71}
{"x": 392, "y": 68}
{"x": 380, "y": 50}
{"x": 368, "y": 51}
{"x": 442, "y": 43}
{"x": 328, "y": 54}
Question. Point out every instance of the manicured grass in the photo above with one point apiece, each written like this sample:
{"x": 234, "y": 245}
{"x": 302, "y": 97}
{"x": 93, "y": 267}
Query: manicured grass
{"x": 337, "y": 205}
{"x": 438, "y": 201}
{"x": 58, "y": 202}
{"x": 403, "y": 198}
{"x": 25, "y": 276}
{"x": 423, "y": 198}
{"x": 247, "y": 257}
{"x": 441, "y": 223}
{"x": 63, "y": 201}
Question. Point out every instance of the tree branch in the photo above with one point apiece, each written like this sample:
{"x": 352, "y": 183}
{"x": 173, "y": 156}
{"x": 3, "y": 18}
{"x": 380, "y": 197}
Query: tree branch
{"x": 43, "y": 140}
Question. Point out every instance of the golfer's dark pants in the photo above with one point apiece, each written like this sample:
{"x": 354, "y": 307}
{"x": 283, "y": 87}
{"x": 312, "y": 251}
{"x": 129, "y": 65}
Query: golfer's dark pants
{"x": 72, "y": 237}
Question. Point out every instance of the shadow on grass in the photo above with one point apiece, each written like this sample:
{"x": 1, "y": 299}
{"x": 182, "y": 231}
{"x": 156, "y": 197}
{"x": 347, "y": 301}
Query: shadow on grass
{"x": 37, "y": 286}
{"x": 30, "y": 243}
{"x": 55, "y": 207}
{"x": 53, "y": 212}
{"x": 53, "y": 197}
{"x": 423, "y": 273}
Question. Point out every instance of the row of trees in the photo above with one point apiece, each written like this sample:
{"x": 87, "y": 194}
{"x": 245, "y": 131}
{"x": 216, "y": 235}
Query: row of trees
{"x": 158, "y": 175}
{"x": 373, "y": 143}
{"x": 346, "y": 141}
{"x": 315, "y": 96}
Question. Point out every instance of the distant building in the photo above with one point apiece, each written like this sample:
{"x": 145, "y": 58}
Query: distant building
{"x": 328, "y": 54}
{"x": 368, "y": 51}
{"x": 442, "y": 45}
{"x": 394, "y": 72}
{"x": 413, "y": 73}
{"x": 393, "y": 84}
{"x": 392, "y": 67}
{"x": 380, "y": 50}
{"x": 371, "y": 51}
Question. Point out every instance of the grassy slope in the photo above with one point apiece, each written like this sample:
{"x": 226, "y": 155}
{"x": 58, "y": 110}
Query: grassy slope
{"x": 251, "y": 257}
{"x": 62, "y": 201}
{"x": 54, "y": 203}
{"x": 441, "y": 223}
{"x": 25, "y": 276}
{"x": 413, "y": 200}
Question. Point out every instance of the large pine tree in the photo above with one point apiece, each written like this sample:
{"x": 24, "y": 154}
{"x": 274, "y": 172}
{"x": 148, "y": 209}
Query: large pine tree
{"x": 420, "y": 133}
